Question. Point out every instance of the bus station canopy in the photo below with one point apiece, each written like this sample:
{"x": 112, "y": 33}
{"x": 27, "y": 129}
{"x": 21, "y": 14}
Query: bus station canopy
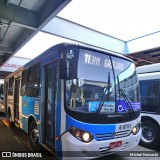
{"x": 129, "y": 27}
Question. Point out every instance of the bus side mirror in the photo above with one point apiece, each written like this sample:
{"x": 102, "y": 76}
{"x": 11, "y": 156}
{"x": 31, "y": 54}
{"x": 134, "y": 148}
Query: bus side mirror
{"x": 62, "y": 69}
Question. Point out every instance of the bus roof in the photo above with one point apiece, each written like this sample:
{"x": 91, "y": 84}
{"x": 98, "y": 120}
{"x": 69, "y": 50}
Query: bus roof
{"x": 148, "y": 68}
{"x": 37, "y": 59}
{"x": 149, "y": 72}
{"x": 149, "y": 76}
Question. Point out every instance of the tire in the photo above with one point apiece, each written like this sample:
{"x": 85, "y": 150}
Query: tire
{"x": 150, "y": 135}
{"x": 34, "y": 136}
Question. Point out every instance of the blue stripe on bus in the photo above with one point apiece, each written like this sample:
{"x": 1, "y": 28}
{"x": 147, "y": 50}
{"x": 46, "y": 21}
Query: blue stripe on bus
{"x": 92, "y": 128}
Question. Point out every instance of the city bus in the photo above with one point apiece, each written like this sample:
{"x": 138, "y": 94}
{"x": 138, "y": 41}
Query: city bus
{"x": 75, "y": 99}
{"x": 149, "y": 80}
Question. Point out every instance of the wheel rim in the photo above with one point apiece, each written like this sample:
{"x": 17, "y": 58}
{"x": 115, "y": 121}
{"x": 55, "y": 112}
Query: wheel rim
{"x": 148, "y": 134}
{"x": 34, "y": 136}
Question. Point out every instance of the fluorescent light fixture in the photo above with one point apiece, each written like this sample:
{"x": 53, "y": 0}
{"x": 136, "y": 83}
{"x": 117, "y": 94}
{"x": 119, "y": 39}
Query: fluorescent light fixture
{"x": 144, "y": 43}
{"x": 123, "y": 19}
{"x": 38, "y": 44}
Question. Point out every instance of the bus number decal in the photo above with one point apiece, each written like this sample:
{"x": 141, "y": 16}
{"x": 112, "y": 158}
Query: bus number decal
{"x": 125, "y": 127}
{"x": 36, "y": 107}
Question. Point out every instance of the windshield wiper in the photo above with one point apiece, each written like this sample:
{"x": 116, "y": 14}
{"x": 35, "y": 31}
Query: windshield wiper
{"x": 128, "y": 102}
{"x": 106, "y": 88}
{"x": 126, "y": 99}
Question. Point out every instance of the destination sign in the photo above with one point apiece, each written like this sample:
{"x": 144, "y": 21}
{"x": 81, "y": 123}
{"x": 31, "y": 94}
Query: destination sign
{"x": 103, "y": 62}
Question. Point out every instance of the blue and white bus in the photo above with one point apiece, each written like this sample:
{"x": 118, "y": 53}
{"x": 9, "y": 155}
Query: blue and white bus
{"x": 76, "y": 98}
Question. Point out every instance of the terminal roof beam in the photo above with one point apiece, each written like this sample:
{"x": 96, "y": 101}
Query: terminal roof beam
{"x": 18, "y": 24}
{"x": 6, "y": 49}
{"x": 30, "y": 21}
{"x": 23, "y": 17}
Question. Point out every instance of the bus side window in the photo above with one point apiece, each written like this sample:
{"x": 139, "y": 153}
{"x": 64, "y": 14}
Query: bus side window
{"x": 32, "y": 88}
{"x": 149, "y": 95}
{"x": 10, "y": 90}
{"x": 24, "y": 82}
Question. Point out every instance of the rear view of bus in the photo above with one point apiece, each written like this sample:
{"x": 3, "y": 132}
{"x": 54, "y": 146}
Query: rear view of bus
{"x": 102, "y": 103}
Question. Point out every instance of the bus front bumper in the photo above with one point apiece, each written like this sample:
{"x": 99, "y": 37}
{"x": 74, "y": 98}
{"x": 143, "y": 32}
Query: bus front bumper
{"x": 76, "y": 149}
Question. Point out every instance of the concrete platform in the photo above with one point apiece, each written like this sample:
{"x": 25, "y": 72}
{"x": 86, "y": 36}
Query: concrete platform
{"x": 13, "y": 139}
{"x": 8, "y": 140}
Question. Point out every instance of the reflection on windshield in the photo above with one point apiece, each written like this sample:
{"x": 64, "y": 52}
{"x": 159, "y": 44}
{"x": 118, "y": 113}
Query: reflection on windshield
{"x": 127, "y": 88}
{"x": 129, "y": 83}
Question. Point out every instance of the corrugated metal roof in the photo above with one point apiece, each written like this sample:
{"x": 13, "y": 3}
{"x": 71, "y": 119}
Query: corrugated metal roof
{"x": 34, "y": 5}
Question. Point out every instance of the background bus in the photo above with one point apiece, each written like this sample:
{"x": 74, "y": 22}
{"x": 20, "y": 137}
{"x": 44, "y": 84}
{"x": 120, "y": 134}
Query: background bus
{"x": 75, "y": 98}
{"x": 149, "y": 79}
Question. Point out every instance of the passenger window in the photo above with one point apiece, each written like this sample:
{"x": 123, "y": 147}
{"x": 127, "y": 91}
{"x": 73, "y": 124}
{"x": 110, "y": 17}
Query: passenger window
{"x": 24, "y": 82}
{"x": 32, "y": 88}
{"x": 149, "y": 95}
{"x": 10, "y": 89}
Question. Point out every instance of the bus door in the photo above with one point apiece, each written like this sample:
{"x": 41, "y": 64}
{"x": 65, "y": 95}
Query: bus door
{"x": 51, "y": 86}
{"x": 6, "y": 97}
{"x": 1, "y": 90}
{"x": 16, "y": 99}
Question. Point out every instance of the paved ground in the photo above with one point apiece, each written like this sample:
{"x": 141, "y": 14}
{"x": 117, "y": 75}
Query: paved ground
{"x": 8, "y": 140}
{"x": 14, "y": 139}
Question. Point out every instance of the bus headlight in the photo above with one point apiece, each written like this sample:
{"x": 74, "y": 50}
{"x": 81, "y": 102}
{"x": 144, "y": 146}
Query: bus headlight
{"x": 81, "y": 134}
{"x": 136, "y": 128}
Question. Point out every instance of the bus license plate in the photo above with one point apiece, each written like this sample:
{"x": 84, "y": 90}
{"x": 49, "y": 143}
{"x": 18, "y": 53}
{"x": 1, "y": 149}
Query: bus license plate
{"x": 115, "y": 144}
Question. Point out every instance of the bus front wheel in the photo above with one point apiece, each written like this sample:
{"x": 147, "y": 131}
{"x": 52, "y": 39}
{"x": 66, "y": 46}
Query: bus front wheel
{"x": 150, "y": 135}
{"x": 34, "y": 136}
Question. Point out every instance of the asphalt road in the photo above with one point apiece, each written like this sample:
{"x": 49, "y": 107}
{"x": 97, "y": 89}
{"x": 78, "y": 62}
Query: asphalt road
{"x": 14, "y": 139}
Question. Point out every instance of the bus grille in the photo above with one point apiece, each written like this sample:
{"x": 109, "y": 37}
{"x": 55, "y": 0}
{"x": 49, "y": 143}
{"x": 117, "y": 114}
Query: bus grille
{"x": 106, "y": 136}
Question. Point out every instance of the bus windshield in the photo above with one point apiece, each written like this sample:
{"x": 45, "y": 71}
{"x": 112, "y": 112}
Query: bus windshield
{"x": 94, "y": 76}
